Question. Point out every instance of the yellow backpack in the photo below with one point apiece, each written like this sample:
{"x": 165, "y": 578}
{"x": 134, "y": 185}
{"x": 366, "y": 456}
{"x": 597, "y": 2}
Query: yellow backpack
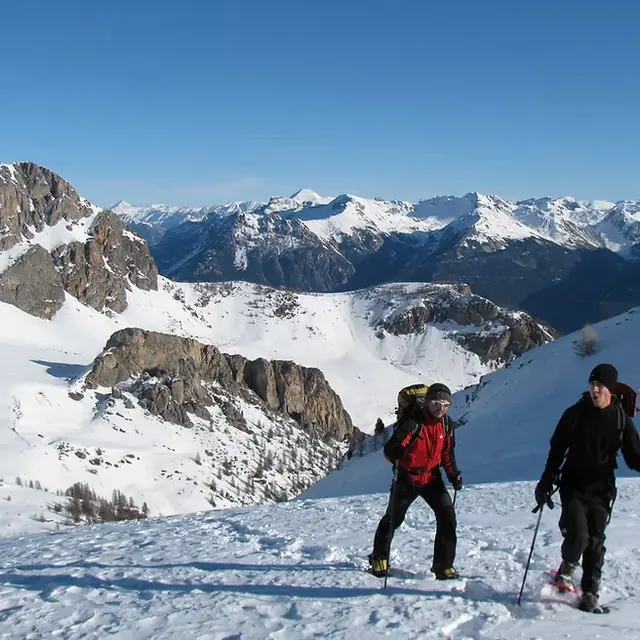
{"x": 411, "y": 396}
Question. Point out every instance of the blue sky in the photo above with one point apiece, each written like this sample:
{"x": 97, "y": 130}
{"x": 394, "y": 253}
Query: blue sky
{"x": 199, "y": 102}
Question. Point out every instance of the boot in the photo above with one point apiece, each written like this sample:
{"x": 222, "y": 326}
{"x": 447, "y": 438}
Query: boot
{"x": 379, "y": 566}
{"x": 563, "y": 579}
{"x": 448, "y": 573}
{"x": 589, "y": 602}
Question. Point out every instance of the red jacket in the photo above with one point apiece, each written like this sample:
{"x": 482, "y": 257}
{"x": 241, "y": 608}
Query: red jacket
{"x": 419, "y": 457}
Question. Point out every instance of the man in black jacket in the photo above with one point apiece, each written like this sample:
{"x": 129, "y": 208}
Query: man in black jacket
{"x": 587, "y": 439}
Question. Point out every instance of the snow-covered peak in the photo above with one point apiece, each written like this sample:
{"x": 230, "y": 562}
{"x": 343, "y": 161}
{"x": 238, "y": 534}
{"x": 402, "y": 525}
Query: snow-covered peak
{"x": 581, "y": 213}
{"x": 489, "y": 220}
{"x": 628, "y": 209}
{"x": 161, "y": 215}
{"x": 446, "y": 208}
{"x": 565, "y": 221}
{"x": 122, "y": 207}
{"x": 229, "y": 209}
{"x": 307, "y": 195}
{"x": 597, "y": 205}
{"x": 621, "y": 225}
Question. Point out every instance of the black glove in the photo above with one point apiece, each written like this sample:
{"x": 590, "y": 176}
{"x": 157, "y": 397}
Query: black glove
{"x": 544, "y": 489}
{"x": 456, "y": 481}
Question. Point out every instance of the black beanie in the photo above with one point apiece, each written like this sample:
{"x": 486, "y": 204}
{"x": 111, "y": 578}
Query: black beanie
{"x": 439, "y": 391}
{"x": 607, "y": 375}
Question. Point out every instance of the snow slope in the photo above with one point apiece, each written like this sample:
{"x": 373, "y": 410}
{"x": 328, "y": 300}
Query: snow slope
{"x": 47, "y": 436}
{"x": 510, "y": 415}
{"x": 295, "y": 570}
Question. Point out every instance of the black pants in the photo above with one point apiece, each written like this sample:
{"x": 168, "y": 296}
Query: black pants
{"x": 437, "y": 497}
{"x": 583, "y": 522}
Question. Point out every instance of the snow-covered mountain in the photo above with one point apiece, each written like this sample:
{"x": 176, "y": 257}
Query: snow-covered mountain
{"x": 527, "y": 254}
{"x": 153, "y": 221}
{"x": 621, "y": 227}
{"x": 565, "y": 221}
{"x": 157, "y": 214}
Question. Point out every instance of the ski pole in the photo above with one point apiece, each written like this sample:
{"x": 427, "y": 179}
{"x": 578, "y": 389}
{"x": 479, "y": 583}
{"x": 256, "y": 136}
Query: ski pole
{"x": 391, "y": 510}
{"x": 539, "y": 507}
{"x": 455, "y": 495}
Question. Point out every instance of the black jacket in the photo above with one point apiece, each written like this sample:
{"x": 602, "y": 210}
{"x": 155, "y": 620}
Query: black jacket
{"x": 587, "y": 440}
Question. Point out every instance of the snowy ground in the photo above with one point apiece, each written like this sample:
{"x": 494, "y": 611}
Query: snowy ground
{"x": 295, "y": 570}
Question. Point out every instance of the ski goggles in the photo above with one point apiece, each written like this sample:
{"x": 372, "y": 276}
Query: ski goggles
{"x": 440, "y": 404}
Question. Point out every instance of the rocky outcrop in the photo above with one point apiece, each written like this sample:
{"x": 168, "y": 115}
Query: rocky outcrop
{"x": 32, "y": 197}
{"x": 98, "y": 270}
{"x": 33, "y": 284}
{"x": 177, "y": 376}
{"x": 512, "y": 339}
{"x": 493, "y": 333}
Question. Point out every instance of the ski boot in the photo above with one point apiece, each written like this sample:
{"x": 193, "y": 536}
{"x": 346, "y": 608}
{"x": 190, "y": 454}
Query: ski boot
{"x": 379, "y": 566}
{"x": 448, "y": 573}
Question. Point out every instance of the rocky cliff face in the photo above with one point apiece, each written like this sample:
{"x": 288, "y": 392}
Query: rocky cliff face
{"x": 32, "y": 283}
{"x": 174, "y": 377}
{"x": 99, "y": 271}
{"x": 32, "y": 197}
{"x": 493, "y": 333}
{"x": 91, "y": 255}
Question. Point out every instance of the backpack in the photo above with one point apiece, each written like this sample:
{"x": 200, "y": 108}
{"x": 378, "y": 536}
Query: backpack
{"x": 628, "y": 399}
{"x": 409, "y": 398}
{"x": 412, "y": 397}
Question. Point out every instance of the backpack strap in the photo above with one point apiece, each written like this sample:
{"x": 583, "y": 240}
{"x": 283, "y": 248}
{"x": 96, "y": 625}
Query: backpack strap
{"x": 622, "y": 423}
{"x": 448, "y": 425}
{"x": 416, "y": 434}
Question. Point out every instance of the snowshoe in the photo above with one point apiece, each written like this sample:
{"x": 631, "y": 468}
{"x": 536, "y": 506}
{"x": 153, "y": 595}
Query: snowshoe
{"x": 562, "y": 581}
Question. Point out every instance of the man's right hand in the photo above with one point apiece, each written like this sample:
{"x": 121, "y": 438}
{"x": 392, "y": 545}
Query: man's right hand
{"x": 543, "y": 491}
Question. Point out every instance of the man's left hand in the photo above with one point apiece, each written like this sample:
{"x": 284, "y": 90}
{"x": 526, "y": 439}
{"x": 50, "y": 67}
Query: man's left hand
{"x": 456, "y": 482}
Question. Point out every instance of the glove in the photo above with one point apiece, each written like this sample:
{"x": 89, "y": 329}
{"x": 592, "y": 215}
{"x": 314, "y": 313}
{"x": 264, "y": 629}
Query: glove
{"x": 544, "y": 489}
{"x": 456, "y": 482}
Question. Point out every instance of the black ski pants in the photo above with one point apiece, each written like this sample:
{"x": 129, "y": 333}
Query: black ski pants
{"x": 403, "y": 494}
{"x": 582, "y": 523}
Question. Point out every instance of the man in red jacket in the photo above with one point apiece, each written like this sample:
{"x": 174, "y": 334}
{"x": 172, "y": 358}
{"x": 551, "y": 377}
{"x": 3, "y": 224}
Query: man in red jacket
{"x": 422, "y": 441}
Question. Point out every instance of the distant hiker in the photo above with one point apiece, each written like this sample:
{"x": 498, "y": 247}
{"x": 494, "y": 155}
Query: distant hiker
{"x": 423, "y": 439}
{"x": 589, "y": 434}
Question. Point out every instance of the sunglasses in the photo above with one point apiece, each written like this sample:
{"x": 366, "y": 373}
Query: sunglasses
{"x": 439, "y": 404}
